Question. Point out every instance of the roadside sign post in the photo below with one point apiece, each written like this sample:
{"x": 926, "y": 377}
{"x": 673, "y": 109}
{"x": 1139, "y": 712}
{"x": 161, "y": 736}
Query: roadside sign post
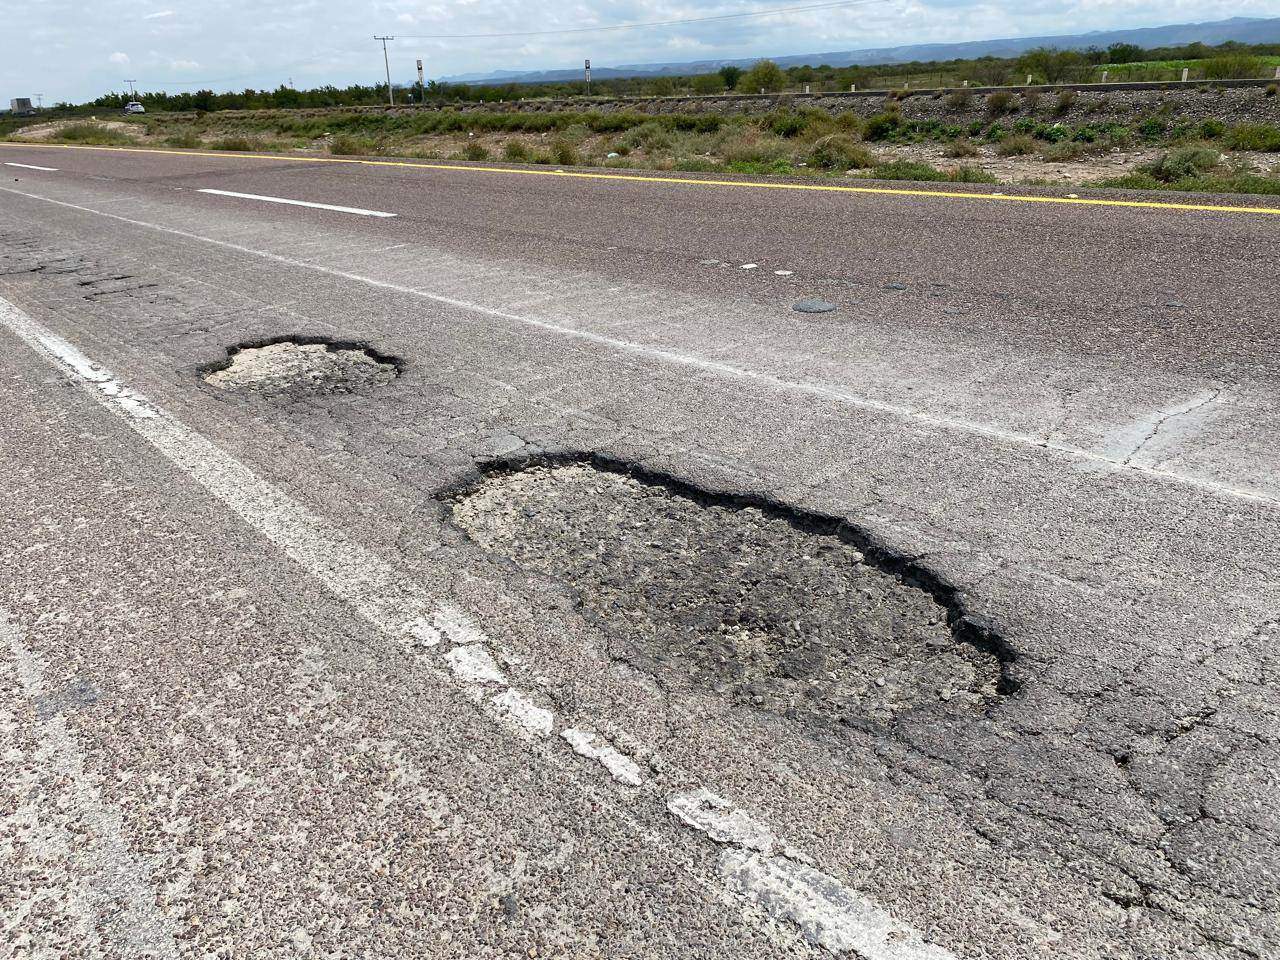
{"x": 422, "y": 90}
{"x": 588, "y": 70}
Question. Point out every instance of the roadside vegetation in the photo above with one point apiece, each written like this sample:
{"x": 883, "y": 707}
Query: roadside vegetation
{"x": 804, "y": 142}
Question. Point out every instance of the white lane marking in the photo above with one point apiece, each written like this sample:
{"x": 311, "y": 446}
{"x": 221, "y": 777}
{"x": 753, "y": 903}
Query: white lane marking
{"x": 726, "y": 370}
{"x": 516, "y": 708}
{"x": 827, "y": 912}
{"x": 377, "y": 592}
{"x": 782, "y": 273}
{"x": 711, "y": 814}
{"x": 359, "y": 211}
{"x": 471, "y": 663}
{"x": 760, "y": 869}
{"x": 622, "y": 768}
{"x": 30, "y": 166}
{"x": 750, "y": 266}
{"x": 110, "y": 886}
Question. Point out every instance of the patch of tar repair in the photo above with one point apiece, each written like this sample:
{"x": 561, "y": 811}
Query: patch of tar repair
{"x": 302, "y": 367}
{"x": 776, "y": 609}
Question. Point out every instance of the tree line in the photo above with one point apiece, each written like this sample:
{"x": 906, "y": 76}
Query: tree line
{"x": 1043, "y": 65}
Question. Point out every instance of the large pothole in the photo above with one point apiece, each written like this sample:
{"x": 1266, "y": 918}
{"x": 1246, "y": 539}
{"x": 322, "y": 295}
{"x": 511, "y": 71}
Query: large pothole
{"x": 302, "y": 367}
{"x": 790, "y": 612}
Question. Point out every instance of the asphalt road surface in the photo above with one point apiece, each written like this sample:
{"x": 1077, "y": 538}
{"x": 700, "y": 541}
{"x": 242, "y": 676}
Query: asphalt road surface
{"x": 456, "y": 562}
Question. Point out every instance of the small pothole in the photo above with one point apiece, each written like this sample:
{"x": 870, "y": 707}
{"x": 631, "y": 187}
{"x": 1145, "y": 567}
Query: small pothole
{"x": 790, "y": 612}
{"x": 302, "y": 366}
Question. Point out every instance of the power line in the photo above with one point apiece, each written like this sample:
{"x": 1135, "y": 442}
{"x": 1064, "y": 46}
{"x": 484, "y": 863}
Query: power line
{"x": 651, "y": 23}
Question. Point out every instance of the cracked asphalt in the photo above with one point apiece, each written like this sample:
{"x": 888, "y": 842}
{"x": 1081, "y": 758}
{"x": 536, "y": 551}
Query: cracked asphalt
{"x": 228, "y": 728}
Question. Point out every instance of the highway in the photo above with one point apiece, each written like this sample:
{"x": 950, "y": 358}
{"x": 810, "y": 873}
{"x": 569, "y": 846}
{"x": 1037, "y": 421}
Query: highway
{"x": 591, "y": 600}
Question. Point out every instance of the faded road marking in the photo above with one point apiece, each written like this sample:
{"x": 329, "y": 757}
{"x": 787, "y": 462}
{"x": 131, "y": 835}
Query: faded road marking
{"x": 111, "y": 889}
{"x": 691, "y": 181}
{"x": 379, "y": 593}
{"x": 621, "y": 768}
{"x": 359, "y": 211}
{"x": 726, "y": 370}
{"x": 759, "y": 869}
{"x": 31, "y": 166}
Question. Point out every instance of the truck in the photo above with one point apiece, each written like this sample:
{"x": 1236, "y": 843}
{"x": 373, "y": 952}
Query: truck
{"x": 21, "y": 106}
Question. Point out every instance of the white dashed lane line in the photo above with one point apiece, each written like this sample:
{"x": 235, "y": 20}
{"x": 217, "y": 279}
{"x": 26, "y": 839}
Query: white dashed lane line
{"x": 358, "y": 211}
{"x": 754, "y": 864}
{"x": 31, "y": 166}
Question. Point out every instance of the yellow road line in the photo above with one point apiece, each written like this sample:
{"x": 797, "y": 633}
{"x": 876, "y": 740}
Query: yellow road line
{"x": 638, "y": 178}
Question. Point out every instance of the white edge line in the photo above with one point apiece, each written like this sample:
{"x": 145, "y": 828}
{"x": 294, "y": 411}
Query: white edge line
{"x": 359, "y": 211}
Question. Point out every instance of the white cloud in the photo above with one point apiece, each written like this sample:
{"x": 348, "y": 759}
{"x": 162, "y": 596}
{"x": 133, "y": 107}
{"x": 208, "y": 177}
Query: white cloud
{"x": 260, "y": 43}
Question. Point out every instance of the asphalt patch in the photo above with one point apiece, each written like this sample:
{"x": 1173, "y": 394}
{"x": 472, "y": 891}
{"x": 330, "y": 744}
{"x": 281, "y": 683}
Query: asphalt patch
{"x": 302, "y": 366}
{"x": 789, "y": 612}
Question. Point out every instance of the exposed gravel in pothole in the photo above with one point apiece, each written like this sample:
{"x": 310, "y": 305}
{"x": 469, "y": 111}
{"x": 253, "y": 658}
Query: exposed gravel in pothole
{"x": 780, "y": 611}
{"x": 302, "y": 368}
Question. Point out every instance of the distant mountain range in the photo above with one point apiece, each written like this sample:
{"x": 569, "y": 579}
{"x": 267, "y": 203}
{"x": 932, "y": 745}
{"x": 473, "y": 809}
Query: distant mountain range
{"x": 1241, "y": 29}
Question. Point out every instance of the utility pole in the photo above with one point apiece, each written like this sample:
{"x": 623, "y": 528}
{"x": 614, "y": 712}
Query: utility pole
{"x": 39, "y": 101}
{"x": 391, "y": 97}
{"x": 132, "y": 94}
{"x": 588, "y": 69}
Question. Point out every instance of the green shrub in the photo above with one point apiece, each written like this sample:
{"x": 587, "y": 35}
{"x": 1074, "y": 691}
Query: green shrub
{"x": 1254, "y": 136}
{"x": 651, "y": 136}
{"x": 475, "y": 151}
{"x": 785, "y": 124}
{"x": 1063, "y": 150}
{"x": 1066, "y": 100}
{"x": 575, "y": 133}
{"x": 752, "y": 148}
{"x": 1016, "y": 146}
{"x": 1272, "y": 89}
{"x": 883, "y": 126}
{"x": 914, "y": 170}
{"x": 1031, "y": 99}
{"x": 515, "y": 151}
{"x": 237, "y": 143}
{"x": 94, "y": 133}
{"x": 1234, "y": 66}
{"x": 1182, "y": 163}
{"x": 1208, "y": 183}
{"x": 961, "y": 148}
{"x": 1152, "y": 128}
{"x": 999, "y": 103}
{"x": 959, "y": 99}
{"x": 345, "y": 145}
{"x": 565, "y": 153}
{"x": 187, "y": 140}
{"x": 839, "y": 151}
{"x": 967, "y": 174}
{"x": 1212, "y": 129}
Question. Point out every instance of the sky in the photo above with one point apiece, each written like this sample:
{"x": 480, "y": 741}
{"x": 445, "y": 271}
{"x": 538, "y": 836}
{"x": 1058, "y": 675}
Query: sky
{"x": 74, "y": 51}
